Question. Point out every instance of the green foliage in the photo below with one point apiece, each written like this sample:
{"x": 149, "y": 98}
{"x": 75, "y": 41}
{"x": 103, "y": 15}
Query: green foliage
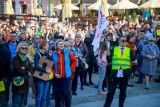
{"x": 90, "y": 14}
{"x": 94, "y": 13}
{"x": 126, "y": 14}
{"x": 115, "y": 13}
{"x": 134, "y": 14}
{"x": 80, "y": 13}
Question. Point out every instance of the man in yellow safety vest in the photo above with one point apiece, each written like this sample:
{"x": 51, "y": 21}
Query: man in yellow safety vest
{"x": 121, "y": 57}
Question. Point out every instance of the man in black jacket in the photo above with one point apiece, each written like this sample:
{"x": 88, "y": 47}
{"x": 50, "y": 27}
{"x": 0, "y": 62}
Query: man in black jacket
{"x": 4, "y": 70}
{"x": 120, "y": 58}
{"x": 11, "y": 45}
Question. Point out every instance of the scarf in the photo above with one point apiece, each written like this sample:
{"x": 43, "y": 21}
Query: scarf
{"x": 23, "y": 57}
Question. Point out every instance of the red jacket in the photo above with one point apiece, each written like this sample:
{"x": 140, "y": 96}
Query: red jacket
{"x": 61, "y": 64}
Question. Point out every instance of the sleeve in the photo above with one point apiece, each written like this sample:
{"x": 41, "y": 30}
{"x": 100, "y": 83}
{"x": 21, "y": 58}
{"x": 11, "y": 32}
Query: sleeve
{"x": 17, "y": 66}
{"x": 157, "y": 52}
{"x": 132, "y": 57}
{"x": 36, "y": 63}
{"x": 109, "y": 58}
{"x": 73, "y": 62}
{"x": 143, "y": 52}
{"x": 29, "y": 67}
{"x": 85, "y": 51}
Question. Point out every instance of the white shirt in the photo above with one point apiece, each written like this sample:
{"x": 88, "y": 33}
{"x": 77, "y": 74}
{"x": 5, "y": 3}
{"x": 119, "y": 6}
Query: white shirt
{"x": 120, "y": 71}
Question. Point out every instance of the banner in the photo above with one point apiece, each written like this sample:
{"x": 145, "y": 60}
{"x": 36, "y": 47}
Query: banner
{"x": 102, "y": 24}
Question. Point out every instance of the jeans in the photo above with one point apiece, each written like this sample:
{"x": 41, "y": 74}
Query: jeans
{"x": 19, "y": 100}
{"x": 48, "y": 103}
{"x": 62, "y": 87}
{"x": 3, "y": 101}
{"x": 89, "y": 71}
{"x": 101, "y": 77}
{"x": 140, "y": 75}
{"x": 41, "y": 92}
{"x": 75, "y": 80}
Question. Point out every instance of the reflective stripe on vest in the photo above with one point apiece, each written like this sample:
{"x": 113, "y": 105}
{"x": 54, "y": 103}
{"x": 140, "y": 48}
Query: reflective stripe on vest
{"x": 121, "y": 61}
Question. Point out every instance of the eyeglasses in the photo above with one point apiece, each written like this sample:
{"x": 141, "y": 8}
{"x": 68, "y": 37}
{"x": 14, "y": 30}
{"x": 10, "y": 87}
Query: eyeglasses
{"x": 24, "y": 48}
{"x": 33, "y": 29}
{"x": 37, "y": 38}
{"x": 151, "y": 40}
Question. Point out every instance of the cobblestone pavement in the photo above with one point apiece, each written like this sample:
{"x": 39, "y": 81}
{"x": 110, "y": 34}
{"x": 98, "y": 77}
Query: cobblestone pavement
{"x": 89, "y": 94}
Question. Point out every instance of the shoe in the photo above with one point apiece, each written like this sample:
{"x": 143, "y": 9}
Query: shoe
{"x": 96, "y": 86}
{"x": 101, "y": 93}
{"x": 91, "y": 83}
{"x": 138, "y": 82}
{"x": 74, "y": 93}
{"x": 157, "y": 80}
{"x": 131, "y": 85}
{"x": 147, "y": 87}
{"x": 82, "y": 88}
{"x": 103, "y": 90}
{"x": 86, "y": 84}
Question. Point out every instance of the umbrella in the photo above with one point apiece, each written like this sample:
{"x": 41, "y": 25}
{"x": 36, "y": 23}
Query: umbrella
{"x": 151, "y": 4}
{"x": 98, "y": 3}
{"x": 59, "y": 7}
{"x": 104, "y": 7}
{"x": 34, "y": 7}
{"x": 9, "y": 8}
{"x": 124, "y": 4}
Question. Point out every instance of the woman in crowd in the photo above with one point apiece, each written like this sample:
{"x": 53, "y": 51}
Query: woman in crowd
{"x": 102, "y": 62}
{"x": 141, "y": 43}
{"x": 64, "y": 66}
{"x": 132, "y": 46}
{"x": 78, "y": 54}
{"x": 150, "y": 55}
{"x": 82, "y": 46}
{"x": 41, "y": 85}
{"x": 22, "y": 68}
{"x": 32, "y": 49}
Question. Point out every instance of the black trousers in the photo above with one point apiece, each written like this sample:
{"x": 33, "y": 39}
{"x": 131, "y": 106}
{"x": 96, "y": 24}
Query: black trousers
{"x": 112, "y": 88}
{"x": 89, "y": 71}
{"x": 75, "y": 80}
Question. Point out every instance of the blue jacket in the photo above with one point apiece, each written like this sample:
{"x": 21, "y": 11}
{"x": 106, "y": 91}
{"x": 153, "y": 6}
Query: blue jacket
{"x": 68, "y": 71}
{"x": 36, "y": 61}
{"x": 75, "y": 52}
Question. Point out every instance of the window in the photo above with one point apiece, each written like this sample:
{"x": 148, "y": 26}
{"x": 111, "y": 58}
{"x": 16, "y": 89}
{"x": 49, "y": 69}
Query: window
{"x": 1, "y": 8}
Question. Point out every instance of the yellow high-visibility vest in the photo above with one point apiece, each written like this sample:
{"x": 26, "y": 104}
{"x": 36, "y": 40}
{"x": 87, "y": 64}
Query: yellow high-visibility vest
{"x": 121, "y": 61}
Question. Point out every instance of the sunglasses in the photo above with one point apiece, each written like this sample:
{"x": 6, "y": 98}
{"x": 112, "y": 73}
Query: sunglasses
{"x": 37, "y": 38}
{"x": 151, "y": 40}
{"x": 123, "y": 41}
{"x": 47, "y": 29}
{"x": 24, "y": 48}
{"x": 13, "y": 36}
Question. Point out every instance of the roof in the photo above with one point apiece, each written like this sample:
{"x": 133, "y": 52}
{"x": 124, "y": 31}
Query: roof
{"x": 93, "y": 1}
{"x": 88, "y": 1}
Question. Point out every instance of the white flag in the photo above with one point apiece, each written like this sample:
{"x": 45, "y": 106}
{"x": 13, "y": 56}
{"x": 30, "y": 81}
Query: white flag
{"x": 102, "y": 24}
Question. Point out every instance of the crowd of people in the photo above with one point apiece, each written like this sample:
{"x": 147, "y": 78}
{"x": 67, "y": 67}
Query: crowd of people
{"x": 127, "y": 49}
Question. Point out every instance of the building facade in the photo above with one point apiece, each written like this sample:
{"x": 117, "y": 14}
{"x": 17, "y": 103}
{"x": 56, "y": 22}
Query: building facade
{"x": 29, "y": 6}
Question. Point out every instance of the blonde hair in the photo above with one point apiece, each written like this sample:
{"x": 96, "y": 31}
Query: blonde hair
{"x": 20, "y": 45}
{"x": 59, "y": 40}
